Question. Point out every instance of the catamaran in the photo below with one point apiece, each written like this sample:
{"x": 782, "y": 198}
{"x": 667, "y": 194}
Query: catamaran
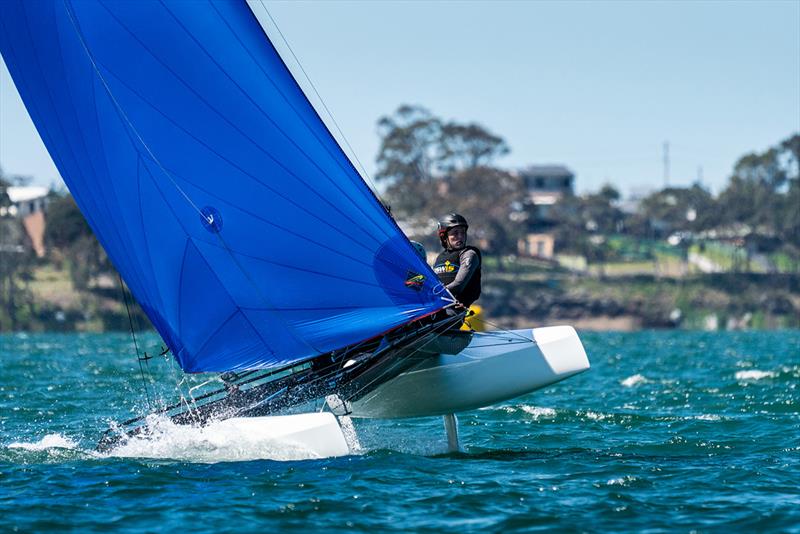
{"x": 244, "y": 231}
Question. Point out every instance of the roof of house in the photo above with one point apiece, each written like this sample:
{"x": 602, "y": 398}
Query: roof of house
{"x": 23, "y": 194}
{"x": 556, "y": 171}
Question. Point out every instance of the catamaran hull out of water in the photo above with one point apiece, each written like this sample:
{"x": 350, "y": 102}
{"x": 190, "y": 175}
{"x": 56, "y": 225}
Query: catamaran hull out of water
{"x": 493, "y": 367}
{"x": 459, "y": 371}
{"x": 216, "y": 211}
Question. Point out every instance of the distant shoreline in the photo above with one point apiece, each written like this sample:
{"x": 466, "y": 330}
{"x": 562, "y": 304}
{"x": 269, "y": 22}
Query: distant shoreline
{"x": 720, "y": 301}
{"x": 729, "y": 301}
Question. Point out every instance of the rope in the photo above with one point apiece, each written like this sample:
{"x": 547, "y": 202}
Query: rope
{"x": 417, "y": 344}
{"x": 501, "y": 329}
{"x": 135, "y": 343}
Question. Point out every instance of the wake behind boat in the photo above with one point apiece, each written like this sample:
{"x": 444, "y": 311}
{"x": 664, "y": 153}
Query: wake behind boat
{"x": 239, "y": 224}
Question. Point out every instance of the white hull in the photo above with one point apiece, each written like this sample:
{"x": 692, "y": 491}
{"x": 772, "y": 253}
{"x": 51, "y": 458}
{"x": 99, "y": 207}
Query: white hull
{"x": 285, "y": 437}
{"x": 493, "y": 367}
{"x": 456, "y": 372}
{"x": 316, "y": 435}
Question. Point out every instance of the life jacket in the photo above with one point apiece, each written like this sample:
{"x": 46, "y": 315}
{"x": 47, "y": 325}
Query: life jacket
{"x": 446, "y": 267}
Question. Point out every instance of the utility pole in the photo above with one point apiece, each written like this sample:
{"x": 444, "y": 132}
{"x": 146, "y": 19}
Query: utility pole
{"x": 666, "y": 164}
{"x": 700, "y": 175}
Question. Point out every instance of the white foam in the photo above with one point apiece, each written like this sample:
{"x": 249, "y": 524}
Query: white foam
{"x": 50, "y": 441}
{"x": 217, "y": 442}
{"x": 507, "y": 409}
{"x": 624, "y": 481}
{"x": 538, "y": 412}
{"x": 634, "y": 380}
{"x": 707, "y": 417}
{"x": 753, "y": 374}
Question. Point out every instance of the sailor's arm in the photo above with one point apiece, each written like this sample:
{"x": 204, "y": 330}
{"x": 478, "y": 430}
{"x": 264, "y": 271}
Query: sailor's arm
{"x": 469, "y": 264}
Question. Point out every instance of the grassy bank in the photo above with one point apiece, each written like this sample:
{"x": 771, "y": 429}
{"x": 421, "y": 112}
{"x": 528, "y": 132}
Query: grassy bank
{"x": 52, "y": 304}
{"x": 516, "y": 293}
{"x": 697, "y": 301}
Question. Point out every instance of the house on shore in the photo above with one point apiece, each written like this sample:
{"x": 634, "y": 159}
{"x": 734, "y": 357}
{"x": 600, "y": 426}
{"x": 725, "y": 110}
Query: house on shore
{"x": 545, "y": 186}
{"x": 28, "y": 203}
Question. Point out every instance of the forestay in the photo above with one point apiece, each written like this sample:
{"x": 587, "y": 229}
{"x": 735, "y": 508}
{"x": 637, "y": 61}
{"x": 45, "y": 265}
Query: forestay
{"x": 236, "y": 220}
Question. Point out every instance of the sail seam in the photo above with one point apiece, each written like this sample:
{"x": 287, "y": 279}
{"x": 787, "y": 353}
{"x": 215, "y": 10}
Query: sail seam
{"x": 188, "y": 238}
{"x": 296, "y": 268}
{"x": 215, "y": 332}
{"x": 143, "y": 229}
{"x": 140, "y": 283}
{"x": 366, "y": 192}
{"x": 269, "y": 222}
{"x": 233, "y": 165}
{"x": 121, "y": 111}
{"x": 243, "y": 134}
{"x": 238, "y": 307}
{"x": 71, "y": 149}
{"x": 318, "y": 308}
{"x": 314, "y": 87}
{"x": 180, "y": 281}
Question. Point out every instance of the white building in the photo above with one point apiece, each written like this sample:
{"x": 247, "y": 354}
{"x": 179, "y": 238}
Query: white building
{"x": 28, "y": 204}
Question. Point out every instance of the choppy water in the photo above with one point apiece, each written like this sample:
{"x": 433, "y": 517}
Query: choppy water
{"x": 667, "y": 431}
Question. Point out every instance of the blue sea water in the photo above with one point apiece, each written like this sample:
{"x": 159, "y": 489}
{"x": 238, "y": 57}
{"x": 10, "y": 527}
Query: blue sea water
{"x": 669, "y": 431}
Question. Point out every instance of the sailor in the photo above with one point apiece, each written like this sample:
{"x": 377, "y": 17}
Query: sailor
{"x": 459, "y": 265}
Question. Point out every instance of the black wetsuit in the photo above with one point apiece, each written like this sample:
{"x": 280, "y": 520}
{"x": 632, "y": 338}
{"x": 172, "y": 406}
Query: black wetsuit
{"x": 460, "y": 271}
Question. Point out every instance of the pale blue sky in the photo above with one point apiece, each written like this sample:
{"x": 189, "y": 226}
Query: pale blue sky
{"x": 596, "y": 86}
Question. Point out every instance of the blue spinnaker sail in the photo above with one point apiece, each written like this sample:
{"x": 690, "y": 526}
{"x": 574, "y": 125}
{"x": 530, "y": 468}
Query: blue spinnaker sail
{"x": 233, "y": 215}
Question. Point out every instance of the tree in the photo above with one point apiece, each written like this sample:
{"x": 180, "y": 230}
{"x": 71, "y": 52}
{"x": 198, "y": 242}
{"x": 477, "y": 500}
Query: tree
{"x": 16, "y": 262}
{"x": 66, "y": 223}
{"x": 4, "y": 200}
{"x": 789, "y": 209}
{"x": 484, "y": 195}
{"x": 755, "y": 192}
{"x": 676, "y": 209}
{"x": 468, "y": 146}
{"x": 68, "y": 231}
{"x": 420, "y": 155}
{"x": 601, "y": 212}
{"x": 578, "y": 216}
{"x": 409, "y": 145}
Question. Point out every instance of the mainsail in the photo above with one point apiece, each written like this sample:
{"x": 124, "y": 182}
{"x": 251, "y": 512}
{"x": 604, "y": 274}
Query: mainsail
{"x": 235, "y": 218}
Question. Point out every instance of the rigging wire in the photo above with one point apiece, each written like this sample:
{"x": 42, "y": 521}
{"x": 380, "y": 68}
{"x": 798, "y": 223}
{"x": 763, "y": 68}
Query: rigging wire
{"x": 500, "y": 329}
{"x": 417, "y": 345}
{"x": 316, "y": 379}
{"x": 135, "y": 343}
{"x": 322, "y": 101}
